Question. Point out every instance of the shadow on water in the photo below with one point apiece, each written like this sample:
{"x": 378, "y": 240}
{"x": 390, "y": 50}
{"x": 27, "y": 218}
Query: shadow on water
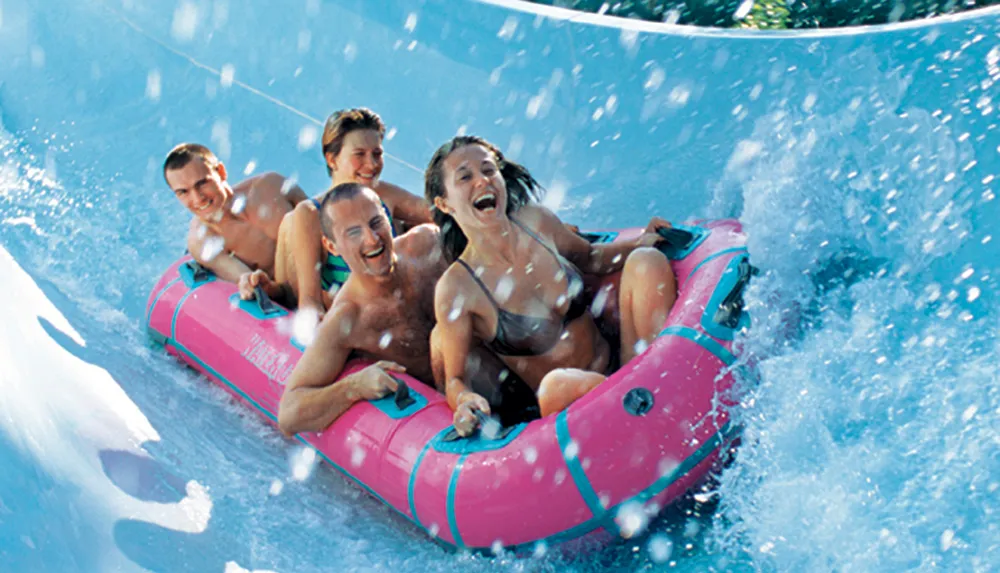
{"x": 145, "y": 478}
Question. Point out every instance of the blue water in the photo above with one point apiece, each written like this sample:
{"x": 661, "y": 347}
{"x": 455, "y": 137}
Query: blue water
{"x": 863, "y": 164}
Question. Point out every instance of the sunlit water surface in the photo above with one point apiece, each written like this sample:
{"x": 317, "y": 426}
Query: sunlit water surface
{"x": 871, "y": 443}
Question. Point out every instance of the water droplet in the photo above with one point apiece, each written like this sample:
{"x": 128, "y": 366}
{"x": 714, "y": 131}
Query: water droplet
{"x": 226, "y": 76}
{"x": 572, "y": 450}
{"x": 357, "y": 456}
{"x": 304, "y": 325}
{"x": 212, "y": 247}
{"x": 631, "y": 519}
{"x": 288, "y": 184}
{"x": 350, "y": 52}
{"x": 655, "y": 79}
{"x": 600, "y": 301}
{"x": 507, "y": 30}
{"x": 384, "y": 341}
{"x": 497, "y": 547}
{"x": 660, "y": 548}
{"x": 304, "y": 40}
{"x": 947, "y": 539}
{"x": 641, "y": 346}
{"x": 541, "y": 548}
{"x": 530, "y": 454}
{"x": 743, "y": 10}
{"x": 303, "y": 463}
{"x": 411, "y": 22}
{"x": 153, "y": 85}
{"x": 667, "y": 466}
{"x": 505, "y": 286}
{"x": 308, "y": 136}
{"x": 559, "y": 477}
{"x": 973, "y": 294}
{"x": 490, "y": 429}
{"x": 239, "y": 203}
{"x": 969, "y": 413}
{"x": 185, "y": 22}
{"x": 276, "y": 487}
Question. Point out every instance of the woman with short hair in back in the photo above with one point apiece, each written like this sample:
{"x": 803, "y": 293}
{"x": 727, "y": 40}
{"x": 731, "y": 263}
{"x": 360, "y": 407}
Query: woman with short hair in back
{"x": 352, "y": 151}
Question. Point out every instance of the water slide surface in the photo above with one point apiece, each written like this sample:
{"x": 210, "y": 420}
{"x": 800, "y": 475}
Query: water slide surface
{"x": 871, "y": 441}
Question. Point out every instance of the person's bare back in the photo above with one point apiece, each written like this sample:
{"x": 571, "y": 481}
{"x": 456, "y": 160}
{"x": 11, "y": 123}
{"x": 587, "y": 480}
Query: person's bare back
{"x": 250, "y": 230}
{"x": 235, "y": 229}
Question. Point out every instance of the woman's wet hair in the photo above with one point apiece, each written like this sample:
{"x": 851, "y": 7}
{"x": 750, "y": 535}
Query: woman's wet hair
{"x": 521, "y": 189}
{"x": 181, "y": 155}
{"x": 344, "y": 121}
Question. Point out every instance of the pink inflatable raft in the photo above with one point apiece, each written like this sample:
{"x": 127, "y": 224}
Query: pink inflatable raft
{"x": 643, "y": 438}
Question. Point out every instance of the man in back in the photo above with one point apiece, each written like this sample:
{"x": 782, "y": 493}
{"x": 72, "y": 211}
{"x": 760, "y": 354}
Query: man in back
{"x": 235, "y": 229}
{"x": 384, "y": 312}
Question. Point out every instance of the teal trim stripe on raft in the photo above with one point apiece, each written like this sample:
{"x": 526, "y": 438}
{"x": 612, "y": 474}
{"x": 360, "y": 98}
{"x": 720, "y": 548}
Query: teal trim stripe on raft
{"x": 687, "y": 465}
{"x": 712, "y": 257}
{"x": 650, "y": 492}
{"x": 450, "y": 502}
{"x": 180, "y": 347}
{"x": 177, "y": 312}
{"x": 575, "y": 468}
{"x": 413, "y": 482}
{"x": 173, "y": 342}
{"x": 703, "y": 340}
{"x": 166, "y": 287}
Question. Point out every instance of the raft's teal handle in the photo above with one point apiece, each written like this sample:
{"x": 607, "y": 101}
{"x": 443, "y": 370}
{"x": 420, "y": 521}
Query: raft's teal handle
{"x": 481, "y": 420}
{"x": 676, "y": 238}
{"x": 264, "y": 302}
{"x": 193, "y": 274}
{"x": 731, "y": 308}
{"x": 402, "y": 398}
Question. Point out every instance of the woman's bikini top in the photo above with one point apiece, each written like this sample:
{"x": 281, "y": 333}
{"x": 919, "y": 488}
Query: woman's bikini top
{"x": 334, "y": 271}
{"x": 521, "y": 335}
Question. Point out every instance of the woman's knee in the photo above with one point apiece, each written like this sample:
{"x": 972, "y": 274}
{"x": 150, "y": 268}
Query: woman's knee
{"x": 646, "y": 261}
{"x": 647, "y": 267}
{"x": 563, "y": 386}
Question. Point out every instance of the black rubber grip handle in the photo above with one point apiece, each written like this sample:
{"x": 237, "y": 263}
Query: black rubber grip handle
{"x": 676, "y": 238}
{"x": 403, "y": 399}
{"x": 263, "y": 301}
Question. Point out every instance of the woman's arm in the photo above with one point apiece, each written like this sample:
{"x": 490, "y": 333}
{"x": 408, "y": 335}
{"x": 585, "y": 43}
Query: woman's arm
{"x": 602, "y": 259}
{"x": 405, "y": 207}
{"x": 457, "y": 337}
{"x": 307, "y": 250}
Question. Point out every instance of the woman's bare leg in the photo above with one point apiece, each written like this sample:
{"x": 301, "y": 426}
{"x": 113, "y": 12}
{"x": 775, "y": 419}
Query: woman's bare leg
{"x": 563, "y": 386}
{"x": 648, "y": 292}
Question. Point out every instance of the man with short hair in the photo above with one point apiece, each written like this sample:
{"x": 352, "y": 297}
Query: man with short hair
{"x": 384, "y": 312}
{"x": 235, "y": 229}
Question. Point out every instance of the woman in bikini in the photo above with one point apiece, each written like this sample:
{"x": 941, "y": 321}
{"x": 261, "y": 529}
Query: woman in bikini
{"x": 515, "y": 284}
{"x": 352, "y": 149}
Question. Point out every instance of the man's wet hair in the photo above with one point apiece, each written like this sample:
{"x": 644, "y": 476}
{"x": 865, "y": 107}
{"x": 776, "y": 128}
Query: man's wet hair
{"x": 180, "y": 156}
{"x": 344, "y": 121}
{"x": 339, "y": 193}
